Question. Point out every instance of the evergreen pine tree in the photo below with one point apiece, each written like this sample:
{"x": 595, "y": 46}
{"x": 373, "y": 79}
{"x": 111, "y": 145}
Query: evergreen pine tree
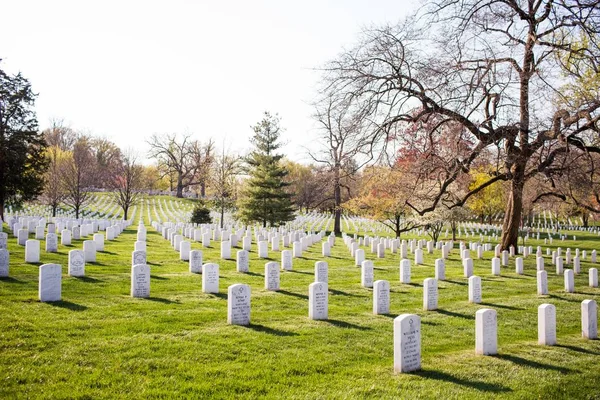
{"x": 266, "y": 200}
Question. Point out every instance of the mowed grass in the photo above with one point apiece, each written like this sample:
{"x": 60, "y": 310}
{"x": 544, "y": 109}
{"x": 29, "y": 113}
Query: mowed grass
{"x": 101, "y": 343}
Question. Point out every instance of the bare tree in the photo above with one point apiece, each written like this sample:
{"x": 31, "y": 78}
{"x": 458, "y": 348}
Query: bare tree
{"x": 188, "y": 160}
{"x": 77, "y": 175}
{"x": 127, "y": 182}
{"x": 222, "y": 181}
{"x": 495, "y": 68}
{"x": 60, "y": 135}
{"x": 343, "y": 139}
{"x": 54, "y": 191}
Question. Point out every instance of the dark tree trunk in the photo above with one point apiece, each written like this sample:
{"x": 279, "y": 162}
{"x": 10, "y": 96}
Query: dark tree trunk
{"x": 337, "y": 195}
{"x": 125, "y": 211}
{"x": 585, "y": 217}
{"x": 514, "y": 208}
{"x": 179, "y": 186}
{"x": 397, "y": 223}
{"x": 222, "y": 215}
{"x": 54, "y": 207}
{"x": 203, "y": 190}
{"x": 453, "y": 227}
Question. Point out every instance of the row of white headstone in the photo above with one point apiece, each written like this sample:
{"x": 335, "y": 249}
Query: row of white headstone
{"x": 407, "y": 333}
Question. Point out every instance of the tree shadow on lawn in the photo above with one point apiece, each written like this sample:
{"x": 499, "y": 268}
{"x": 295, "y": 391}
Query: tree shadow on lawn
{"x": 341, "y": 293}
{"x": 344, "y": 324}
{"x": 298, "y": 295}
{"x": 163, "y": 300}
{"x": 270, "y": 331}
{"x": 10, "y": 279}
{"x": 456, "y": 282}
{"x": 67, "y": 305}
{"x": 300, "y": 272}
{"x": 501, "y": 306}
{"x": 159, "y": 278}
{"x": 532, "y": 364}
{"x": 577, "y": 349}
{"x": 254, "y": 274}
{"x": 112, "y": 253}
{"x": 553, "y": 296}
{"x": 455, "y": 314}
{"x": 478, "y": 385}
{"x": 87, "y": 279}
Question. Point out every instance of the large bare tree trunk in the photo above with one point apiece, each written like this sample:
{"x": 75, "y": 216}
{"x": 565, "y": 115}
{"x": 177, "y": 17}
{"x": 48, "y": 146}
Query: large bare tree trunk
{"x": 337, "y": 195}
{"x": 179, "y": 186}
{"x": 512, "y": 215}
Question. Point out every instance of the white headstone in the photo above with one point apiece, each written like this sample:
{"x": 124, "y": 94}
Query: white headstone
{"x": 359, "y": 257}
{"x": 210, "y": 278}
{"x": 242, "y": 262}
{"x": 589, "y": 319}
{"x": 475, "y": 289}
{"x": 468, "y": 267}
{"x": 4, "y": 262}
{"x": 405, "y": 271}
{"x": 140, "y": 281}
{"x": 539, "y": 263}
{"x": 519, "y": 265}
{"x": 99, "y": 239}
{"x": 366, "y": 274}
{"x": 32, "y": 251}
{"x": 318, "y": 301}
{"x": 50, "y": 282}
{"x": 418, "y": 257}
{"x": 407, "y": 343}
{"x": 569, "y": 281}
{"x": 65, "y": 237}
{"x": 238, "y": 304}
{"x": 547, "y": 325}
{"x": 593, "y": 277}
{"x": 542, "y": 283}
{"x": 76, "y": 266}
{"x": 263, "y": 249}
{"x": 22, "y": 236}
{"x": 195, "y": 262}
{"x": 321, "y": 272}
{"x": 226, "y": 250}
{"x": 496, "y": 266}
{"x": 89, "y": 248}
{"x": 381, "y": 297}
{"x": 286, "y": 260}
{"x": 430, "y": 294}
{"x": 326, "y": 249}
{"x": 486, "y": 332}
{"x": 272, "y": 276}
{"x": 440, "y": 269}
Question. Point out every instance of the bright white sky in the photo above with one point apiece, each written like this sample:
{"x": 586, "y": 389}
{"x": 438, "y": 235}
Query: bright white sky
{"x": 128, "y": 69}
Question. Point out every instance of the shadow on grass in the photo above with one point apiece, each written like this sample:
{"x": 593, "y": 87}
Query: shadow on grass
{"x": 67, "y": 305}
{"x": 220, "y": 295}
{"x": 477, "y": 385}
{"x": 270, "y": 331}
{"x": 112, "y": 253}
{"x": 162, "y": 300}
{"x": 298, "y": 295}
{"x": 414, "y": 284}
{"x": 456, "y": 282}
{"x": 159, "y": 278}
{"x": 347, "y": 325}
{"x": 553, "y": 296}
{"x": 301, "y": 272}
{"x": 577, "y": 349}
{"x": 10, "y": 279}
{"x": 254, "y": 274}
{"x": 501, "y": 306}
{"x": 341, "y": 293}
{"x": 88, "y": 279}
{"x": 455, "y": 314}
{"x": 532, "y": 364}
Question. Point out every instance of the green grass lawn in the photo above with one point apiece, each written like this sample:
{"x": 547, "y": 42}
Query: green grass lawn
{"x": 101, "y": 343}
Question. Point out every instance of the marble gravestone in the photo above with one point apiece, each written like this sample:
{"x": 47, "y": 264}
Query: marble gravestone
{"x": 76, "y": 266}
{"x": 272, "y": 276}
{"x": 32, "y": 251}
{"x": 318, "y": 301}
{"x": 210, "y": 278}
{"x": 407, "y": 343}
{"x": 51, "y": 243}
{"x": 321, "y": 272}
{"x": 238, "y": 304}
{"x": 50, "y": 282}
{"x": 366, "y": 274}
{"x": 4, "y": 262}
{"x": 381, "y": 297}
{"x": 547, "y": 325}
{"x": 486, "y": 332}
{"x": 589, "y": 319}
{"x": 195, "y": 262}
{"x": 286, "y": 260}
{"x": 140, "y": 281}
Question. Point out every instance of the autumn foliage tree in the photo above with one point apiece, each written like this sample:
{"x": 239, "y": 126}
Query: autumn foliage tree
{"x": 492, "y": 67}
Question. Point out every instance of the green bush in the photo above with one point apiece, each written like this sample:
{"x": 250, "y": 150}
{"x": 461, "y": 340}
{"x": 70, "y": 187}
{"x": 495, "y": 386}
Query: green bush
{"x": 201, "y": 214}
